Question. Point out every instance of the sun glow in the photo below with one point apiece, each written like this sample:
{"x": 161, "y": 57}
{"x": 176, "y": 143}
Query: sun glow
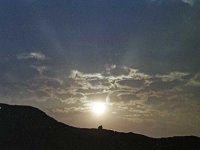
{"x": 98, "y": 108}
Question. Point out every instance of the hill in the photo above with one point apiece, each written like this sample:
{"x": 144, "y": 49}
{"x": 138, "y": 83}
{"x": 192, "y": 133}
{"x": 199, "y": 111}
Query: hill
{"x": 28, "y": 128}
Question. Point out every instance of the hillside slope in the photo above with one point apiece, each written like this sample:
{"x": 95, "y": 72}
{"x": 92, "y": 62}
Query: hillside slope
{"x": 28, "y": 128}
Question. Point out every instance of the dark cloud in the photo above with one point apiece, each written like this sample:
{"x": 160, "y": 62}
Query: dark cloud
{"x": 160, "y": 85}
{"x": 132, "y": 83}
{"x": 129, "y": 97}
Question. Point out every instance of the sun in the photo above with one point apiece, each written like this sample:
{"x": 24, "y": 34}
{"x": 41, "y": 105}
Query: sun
{"x": 98, "y": 108}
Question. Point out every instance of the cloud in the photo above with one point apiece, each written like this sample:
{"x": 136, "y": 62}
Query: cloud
{"x": 117, "y": 81}
{"x": 131, "y": 95}
{"x": 173, "y": 76}
{"x": 117, "y": 84}
{"x": 40, "y": 69}
{"x": 195, "y": 81}
{"x": 190, "y": 2}
{"x": 135, "y": 95}
{"x": 32, "y": 55}
{"x": 112, "y": 79}
{"x": 128, "y": 96}
{"x": 132, "y": 83}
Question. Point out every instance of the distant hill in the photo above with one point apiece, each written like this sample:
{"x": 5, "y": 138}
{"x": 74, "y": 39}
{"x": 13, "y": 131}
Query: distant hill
{"x": 28, "y": 128}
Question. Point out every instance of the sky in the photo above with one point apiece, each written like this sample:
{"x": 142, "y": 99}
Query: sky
{"x": 140, "y": 57}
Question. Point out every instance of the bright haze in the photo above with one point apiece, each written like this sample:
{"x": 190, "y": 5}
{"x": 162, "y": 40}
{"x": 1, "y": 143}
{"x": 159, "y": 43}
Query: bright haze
{"x": 139, "y": 58}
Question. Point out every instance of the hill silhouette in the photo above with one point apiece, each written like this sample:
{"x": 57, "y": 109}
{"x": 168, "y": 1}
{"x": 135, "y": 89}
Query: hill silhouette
{"x": 28, "y": 128}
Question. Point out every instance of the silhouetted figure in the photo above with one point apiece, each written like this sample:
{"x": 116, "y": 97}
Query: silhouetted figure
{"x": 100, "y": 127}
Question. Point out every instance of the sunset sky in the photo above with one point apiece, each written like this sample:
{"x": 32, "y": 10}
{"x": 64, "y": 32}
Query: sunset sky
{"x": 141, "y": 58}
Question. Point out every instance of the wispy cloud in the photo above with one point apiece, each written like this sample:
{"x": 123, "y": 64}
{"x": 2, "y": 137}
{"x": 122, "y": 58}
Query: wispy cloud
{"x": 32, "y": 55}
{"x": 40, "y": 69}
{"x": 173, "y": 76}
{"x": 195, "y": 81}
{"x": 190, "y": 2}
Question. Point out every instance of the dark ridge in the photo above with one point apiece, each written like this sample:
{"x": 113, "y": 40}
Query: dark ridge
{"x": 28, "y": 128}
